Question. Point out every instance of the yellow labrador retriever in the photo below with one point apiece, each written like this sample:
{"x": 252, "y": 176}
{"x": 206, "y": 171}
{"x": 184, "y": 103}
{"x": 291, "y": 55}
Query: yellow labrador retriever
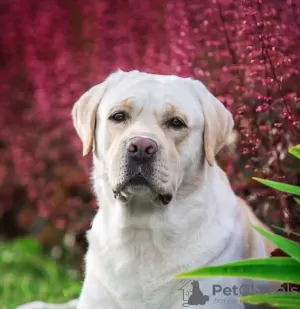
{"x": 165, "y": 205}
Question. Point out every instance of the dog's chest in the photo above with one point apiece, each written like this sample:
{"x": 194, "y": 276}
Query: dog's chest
{"x": 141, "y": 278}
{"x": 138, "y": 276}
{"x": 138, "y": 272}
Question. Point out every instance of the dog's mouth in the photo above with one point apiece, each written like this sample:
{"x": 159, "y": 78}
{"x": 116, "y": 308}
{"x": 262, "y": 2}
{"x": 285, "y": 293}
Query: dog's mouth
{"x": 140, "y": 183}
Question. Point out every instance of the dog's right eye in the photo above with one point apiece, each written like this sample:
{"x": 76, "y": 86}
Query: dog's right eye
{"x": 118, "y": 117}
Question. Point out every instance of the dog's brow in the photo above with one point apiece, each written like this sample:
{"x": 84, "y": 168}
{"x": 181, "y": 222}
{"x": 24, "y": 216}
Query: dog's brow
{"x": 173, "y": 111}
{"x": 127, "y": 104}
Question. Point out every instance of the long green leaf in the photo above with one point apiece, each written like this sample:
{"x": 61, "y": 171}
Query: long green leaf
{"x": 291, "y": 306}
{"x": 279, "y": 300}
{"x": 288, "y": 246}
{"x": 286, "y": 307}
{"x": 295, "y": 151}
{"x": 283, "y": 187}
{"x": 281, "y": 269}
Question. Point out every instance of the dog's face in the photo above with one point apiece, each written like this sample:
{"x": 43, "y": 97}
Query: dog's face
{"x": 150, "y": 133}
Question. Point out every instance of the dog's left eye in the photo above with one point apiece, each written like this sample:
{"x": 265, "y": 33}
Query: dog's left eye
{"x": 176, "y": 123}
{"x": 119, "y": 117}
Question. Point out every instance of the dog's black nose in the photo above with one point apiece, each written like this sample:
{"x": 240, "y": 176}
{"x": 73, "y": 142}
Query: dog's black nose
{"x": 141, "y": 149}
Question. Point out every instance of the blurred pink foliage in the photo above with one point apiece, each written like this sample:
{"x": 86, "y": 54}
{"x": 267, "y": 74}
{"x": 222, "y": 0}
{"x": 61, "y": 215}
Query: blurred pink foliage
{"x": 246, "y": 51}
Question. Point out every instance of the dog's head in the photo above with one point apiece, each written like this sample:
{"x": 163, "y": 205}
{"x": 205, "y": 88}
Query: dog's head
{"x": 150, "y": 133}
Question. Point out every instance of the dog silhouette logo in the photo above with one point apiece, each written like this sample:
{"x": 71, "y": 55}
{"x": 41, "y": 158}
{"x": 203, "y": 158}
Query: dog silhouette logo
{"x": 192, "y": 294}
{"x": 197, "y": 297}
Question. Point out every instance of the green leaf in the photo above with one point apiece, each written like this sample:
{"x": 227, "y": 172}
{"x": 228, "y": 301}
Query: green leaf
{"x": 285, "y": 230}
{"x": 282, "y": 229}
{"x": 286, "y": 307}
{"x": 288, "y": 246}
{"x": 295, "y": 151}
{"x": 283, "y": 187}
{"x": 279, "y": 300}
{"x": 297, "y": 200}
{"x": 27, "y": 245}
{"x": 282, "y": 269}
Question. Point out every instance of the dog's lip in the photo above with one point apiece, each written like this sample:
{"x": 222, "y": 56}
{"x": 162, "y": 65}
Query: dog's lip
{"x": 138, "y": 181}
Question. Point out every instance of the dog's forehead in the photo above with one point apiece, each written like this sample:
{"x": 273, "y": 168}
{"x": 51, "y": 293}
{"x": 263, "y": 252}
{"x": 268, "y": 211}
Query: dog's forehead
{"x": 152, "y": 92}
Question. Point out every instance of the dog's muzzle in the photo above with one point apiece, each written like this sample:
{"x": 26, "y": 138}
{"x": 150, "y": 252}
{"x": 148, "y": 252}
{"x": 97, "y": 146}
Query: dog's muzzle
{"x": 141, "y": 153}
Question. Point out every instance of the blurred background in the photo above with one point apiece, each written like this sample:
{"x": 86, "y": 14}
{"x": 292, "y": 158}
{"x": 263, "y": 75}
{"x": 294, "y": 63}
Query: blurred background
{"x": 247, "y": 52}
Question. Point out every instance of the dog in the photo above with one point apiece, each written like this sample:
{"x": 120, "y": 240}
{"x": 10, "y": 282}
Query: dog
{"x": 166, "y": 207}
{"x": 165, "y": 204}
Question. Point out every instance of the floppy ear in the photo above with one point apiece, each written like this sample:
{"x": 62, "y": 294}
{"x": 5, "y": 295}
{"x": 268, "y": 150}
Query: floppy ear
{"x": 84, "y": 115}
{"x": 218, "y": 122}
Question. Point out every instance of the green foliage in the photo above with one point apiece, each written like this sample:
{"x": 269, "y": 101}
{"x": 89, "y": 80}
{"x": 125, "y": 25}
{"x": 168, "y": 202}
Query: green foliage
{"x": 295, "y": 151}
{"x": 282, "y": 269}
{"x": 283, "y": 187}
{"x": 275, "y": 269}
{"x": 297, "y": 200}
{"x": 28, "y": 274}
{"x": 278, "y": 300}
{"x": 288, "y": 246}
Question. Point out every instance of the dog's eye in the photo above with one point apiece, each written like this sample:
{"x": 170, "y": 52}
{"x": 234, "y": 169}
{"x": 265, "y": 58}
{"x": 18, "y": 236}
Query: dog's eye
{"x": 119, "y": 117}
{"x": 176, "y": 123}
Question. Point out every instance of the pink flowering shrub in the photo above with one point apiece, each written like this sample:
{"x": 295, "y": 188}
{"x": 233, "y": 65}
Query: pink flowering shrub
{"x": 246, "y": 51}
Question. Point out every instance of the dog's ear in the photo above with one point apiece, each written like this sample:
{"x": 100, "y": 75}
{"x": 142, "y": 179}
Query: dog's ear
{"x": 85, "y": 109}
{"x": 218, "y": 122}
{"x": 84, "y": 115}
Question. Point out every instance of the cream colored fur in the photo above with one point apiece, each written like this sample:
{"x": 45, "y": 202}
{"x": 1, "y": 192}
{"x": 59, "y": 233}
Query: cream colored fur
{"x": 137, "y": 245}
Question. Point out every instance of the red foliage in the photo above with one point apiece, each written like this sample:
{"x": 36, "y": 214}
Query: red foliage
{"x": 51, "y": 51}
